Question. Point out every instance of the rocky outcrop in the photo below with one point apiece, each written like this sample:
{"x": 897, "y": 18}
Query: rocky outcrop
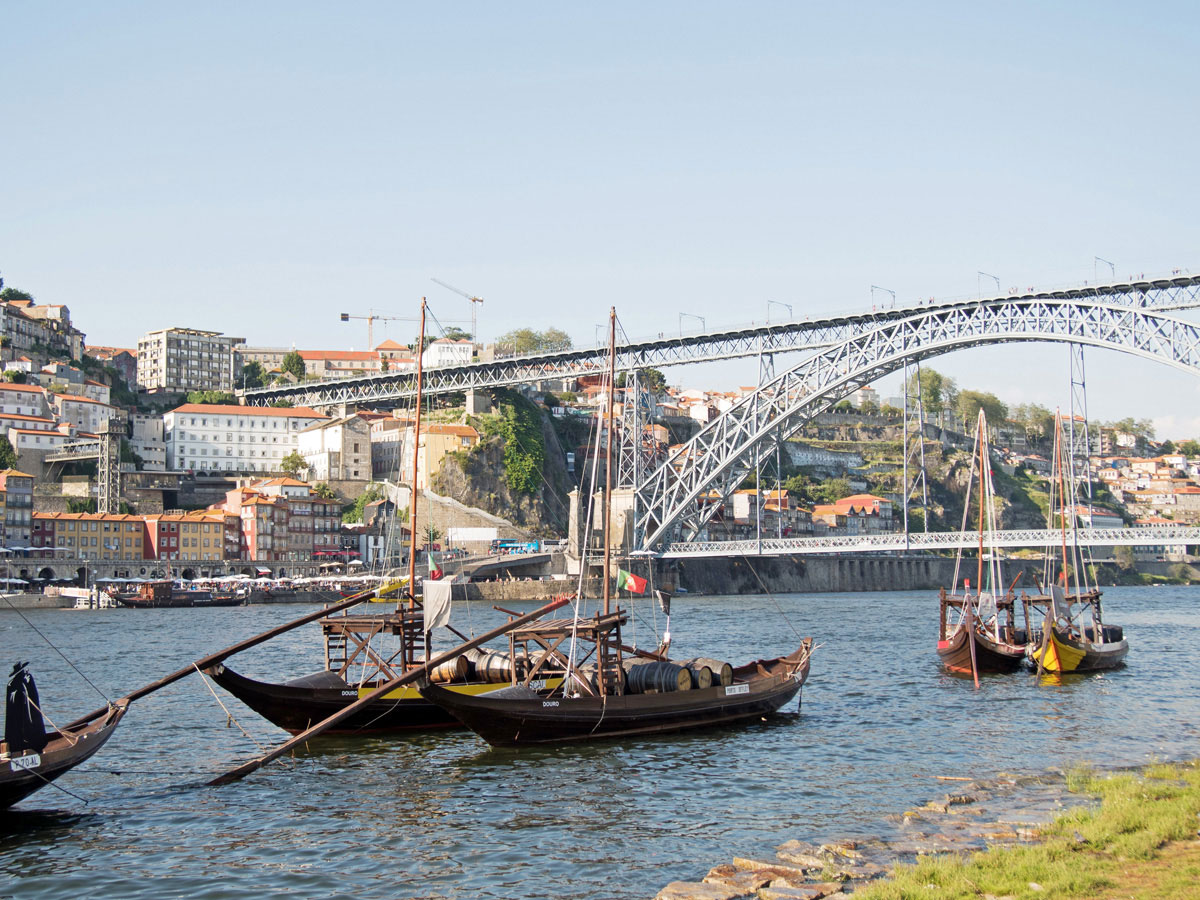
{"x": 476, "y": 479}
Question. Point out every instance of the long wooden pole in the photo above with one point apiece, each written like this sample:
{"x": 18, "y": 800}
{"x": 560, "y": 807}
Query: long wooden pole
{"x": 412, "y": 675}
{"x": 412, "y": 494}
{"x": 214, "y": 658}
{"x": 608, "y": 446}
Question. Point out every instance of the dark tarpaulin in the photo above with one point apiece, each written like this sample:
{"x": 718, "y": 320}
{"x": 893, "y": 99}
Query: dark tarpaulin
{"x": 23, "y": 725}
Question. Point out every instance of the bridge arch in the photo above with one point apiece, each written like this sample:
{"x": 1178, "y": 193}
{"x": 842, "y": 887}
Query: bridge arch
{"x": 717, "y": 458}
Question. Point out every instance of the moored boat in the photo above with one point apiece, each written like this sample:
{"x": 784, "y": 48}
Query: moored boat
{"x": 30, "y": 757}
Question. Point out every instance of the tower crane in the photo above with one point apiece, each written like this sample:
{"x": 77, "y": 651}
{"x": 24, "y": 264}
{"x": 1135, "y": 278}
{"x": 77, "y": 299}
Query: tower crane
{"x": 372, "y": 317}
{"x": 474, "y": 300}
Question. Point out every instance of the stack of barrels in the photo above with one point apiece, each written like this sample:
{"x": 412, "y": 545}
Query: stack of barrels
{"x": 643, "y": 676}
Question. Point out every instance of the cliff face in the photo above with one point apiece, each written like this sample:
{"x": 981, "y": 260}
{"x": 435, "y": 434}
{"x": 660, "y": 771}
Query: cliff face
{"x": 476, "y": 478}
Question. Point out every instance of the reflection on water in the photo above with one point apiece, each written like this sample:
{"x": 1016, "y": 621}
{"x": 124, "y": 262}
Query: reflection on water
{"x": 441, "y": 815}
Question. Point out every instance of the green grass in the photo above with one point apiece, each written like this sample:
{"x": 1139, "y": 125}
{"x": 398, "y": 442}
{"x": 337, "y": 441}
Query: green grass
{"x": 1126, "y": 849}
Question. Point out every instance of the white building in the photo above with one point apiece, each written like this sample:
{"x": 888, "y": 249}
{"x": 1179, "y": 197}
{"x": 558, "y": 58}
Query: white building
{"x": 337, "y": 450}
{"x": 445, "y": 352}
{"x": 83, "y": 413}
{"x": 147, "y": 441}
{"x": 23, "y": 400}
{"x": 219, "y": 438}
{"x": 178, "y": 360}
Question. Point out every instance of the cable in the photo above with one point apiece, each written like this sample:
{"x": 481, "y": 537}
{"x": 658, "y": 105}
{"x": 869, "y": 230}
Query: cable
{"x": 56, "y": 650}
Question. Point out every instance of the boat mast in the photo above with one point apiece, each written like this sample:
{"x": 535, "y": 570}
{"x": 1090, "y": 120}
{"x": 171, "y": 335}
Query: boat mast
{"x": 981, "y": 440}
{"x": 412, "y": 494}
{"x": 612, "y": 389}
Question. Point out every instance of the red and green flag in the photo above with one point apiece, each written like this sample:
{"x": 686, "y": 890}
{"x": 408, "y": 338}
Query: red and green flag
{"x": 627, "y": 581}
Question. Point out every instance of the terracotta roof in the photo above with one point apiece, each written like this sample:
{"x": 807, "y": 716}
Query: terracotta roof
{"x": 460, "y": 430}
{"x": 225, "y": 409}
{"x": 392, "y": 345}
{"x": 27, "y": 388}
{"x": 358, "y": 355}
{"x": 77, "y": 399}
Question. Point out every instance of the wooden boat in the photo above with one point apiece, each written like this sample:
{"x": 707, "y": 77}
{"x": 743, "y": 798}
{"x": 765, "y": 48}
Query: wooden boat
{"x": 163, "y": 594}
{"x": 978, "y": 631}
{"x": 604, "y": 688}
{"x": 352, "y": 645}
{"x": 1069, "y": 642}
{"x": 990, "y": 653}
{"x": 520, "y": 714}
{"x": 30, "y": 757}
{"x": 1073, "y": 636}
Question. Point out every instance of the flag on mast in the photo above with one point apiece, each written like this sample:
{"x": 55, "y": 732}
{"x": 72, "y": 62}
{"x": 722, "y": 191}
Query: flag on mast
{"x": 627, "y": 581}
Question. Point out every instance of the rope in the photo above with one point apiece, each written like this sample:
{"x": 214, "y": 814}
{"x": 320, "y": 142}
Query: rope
{"x": 56, "y": 650}
{"x": 53, "y": 784}
{"x": 772, "y": 596}
{"x": 66, "y": 737}
{"x": 230, "y": 720}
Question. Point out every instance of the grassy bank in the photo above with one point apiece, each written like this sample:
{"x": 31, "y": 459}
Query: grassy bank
{"x": 1141, "y": 842}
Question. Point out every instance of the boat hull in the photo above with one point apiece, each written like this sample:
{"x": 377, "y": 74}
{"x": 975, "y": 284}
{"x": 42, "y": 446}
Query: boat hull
{"x": 758, "y": 690}
{"x": 296, "y": 707}
{"x": 1059, "y": 652}
{"x": 22, "y": 775}
{"x": 990, "y": 655}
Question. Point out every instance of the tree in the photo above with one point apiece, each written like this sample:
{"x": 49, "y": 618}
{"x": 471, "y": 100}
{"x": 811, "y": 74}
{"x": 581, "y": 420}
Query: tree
{"x": 971, "y": 402}
{"x": 293, "y": 364}
{"x": 454, "y": 333}
{"x": 1190, "y": 448}
{"x": 526, "y": 341}
{"x": 1167, "y": 446}
{"x": 211, "y": 397}
{"x": 253, "y": 374}
{"x": 1124, "y": 557}
{"x": 832, "y": 490}
{"x": 383, "y": 364}
{"x": 282, "y": 403}
{"x": 936, "y": 389}
{"x": 292, "y": 463}
{"x": 323, "y": 490}
{"x": 8, "y": 456}
{"x": 15, "y": 376}
{"x": 431, "y": 534}
{"x": 354, "y": 511}
{"x": 11, "y": 295}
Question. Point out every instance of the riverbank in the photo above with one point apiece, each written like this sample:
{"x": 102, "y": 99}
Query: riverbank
{"x": 1074, "y": 836}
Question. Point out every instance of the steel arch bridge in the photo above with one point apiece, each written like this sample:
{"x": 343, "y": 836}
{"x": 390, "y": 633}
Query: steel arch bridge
{"x": 716, "y": 460}
{"x": 805, "y": 335}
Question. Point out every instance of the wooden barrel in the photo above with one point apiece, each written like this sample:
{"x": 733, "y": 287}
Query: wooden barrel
{"x": 614, "y": 682}
{"x": 451, "y": 670}
{"x": 657, "y": 678}
{"x": 722, "y": 672}
{"x": 702, "y": 676}
{"x": 491, "y": 666}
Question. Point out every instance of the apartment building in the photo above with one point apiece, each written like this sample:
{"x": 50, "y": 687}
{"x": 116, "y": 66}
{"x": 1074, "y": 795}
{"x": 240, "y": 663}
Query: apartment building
{"x": 177, "y": 360}
{"x": 82, "y": 413}
{"x": 338, "y": 450}
{"x": 225, "y": 438}
{"x": 30, "y": 327}
{"x": 91, "y": 535}
{"x": 16, "y": 503}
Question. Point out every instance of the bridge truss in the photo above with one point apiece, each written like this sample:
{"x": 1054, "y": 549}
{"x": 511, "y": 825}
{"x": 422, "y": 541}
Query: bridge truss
{"x": 710, "y": 466}
{"x": 1156, "y": 536}
{"x": 393, "y": 388}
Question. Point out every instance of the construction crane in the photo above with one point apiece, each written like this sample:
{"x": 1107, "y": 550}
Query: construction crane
{"x": 372, "y": 317}
{"x": 472, "y": 298}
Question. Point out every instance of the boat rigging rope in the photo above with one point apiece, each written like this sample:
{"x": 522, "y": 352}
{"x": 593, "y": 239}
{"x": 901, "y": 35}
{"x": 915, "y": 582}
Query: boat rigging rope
{"x": 56, "y": 650}
{"x": 62, "y": 734}
{"x": 230, "y": 720}
{"x": 767, "y": 591}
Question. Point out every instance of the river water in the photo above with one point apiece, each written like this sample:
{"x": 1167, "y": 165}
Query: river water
{"x": 442, "y": 816}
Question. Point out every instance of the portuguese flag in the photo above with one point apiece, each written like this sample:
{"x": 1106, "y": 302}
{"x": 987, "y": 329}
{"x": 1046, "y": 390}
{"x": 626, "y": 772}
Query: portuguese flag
{"x": 627, "y": 581}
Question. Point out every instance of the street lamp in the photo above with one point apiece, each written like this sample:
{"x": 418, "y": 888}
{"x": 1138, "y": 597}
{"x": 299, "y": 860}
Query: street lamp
{"x": 979, "y": 276}
{"x": 1100, "y": 259}
{"x": 876, "y": 287}
{"x": 786, "y": 306}
{"x": 691, "y": 316}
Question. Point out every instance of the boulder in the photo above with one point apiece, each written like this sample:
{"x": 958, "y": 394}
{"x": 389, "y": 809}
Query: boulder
{"x": 695, "y": 890}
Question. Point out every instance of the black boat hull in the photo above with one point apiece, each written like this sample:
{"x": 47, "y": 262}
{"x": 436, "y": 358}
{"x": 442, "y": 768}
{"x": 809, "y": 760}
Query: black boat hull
{"x": 296, "y": 708}
{"x": 990, "y": 655}
{"x": 759, "y": 689}
{"x": 24, "y": 774}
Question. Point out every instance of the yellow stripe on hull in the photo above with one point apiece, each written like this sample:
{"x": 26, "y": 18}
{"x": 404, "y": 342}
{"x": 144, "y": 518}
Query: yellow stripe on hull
{"x": 411, "y": 693}
{"x": 1060, "y": 657}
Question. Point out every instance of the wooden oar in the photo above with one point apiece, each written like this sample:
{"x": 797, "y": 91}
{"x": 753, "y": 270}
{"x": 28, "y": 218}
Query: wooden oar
{"x": 971, "y": 640}
{"x": 412, "y": 675}
{"x": 217, "y": 657}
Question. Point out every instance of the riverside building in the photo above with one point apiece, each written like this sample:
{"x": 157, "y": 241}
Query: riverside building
{"x": 178, "y": 360}
{"x": 221, "y": 438}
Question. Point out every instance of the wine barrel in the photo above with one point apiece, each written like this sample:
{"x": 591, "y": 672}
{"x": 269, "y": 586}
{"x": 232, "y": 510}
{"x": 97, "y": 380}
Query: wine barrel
{"x": 722, "y": 672}
{"x": 615, "y": 682}
{"x": 491, "y": 666}
{"x": 451, "y": 670}
{"x": 657, "y": 678}
{"x": 702, "y": 676}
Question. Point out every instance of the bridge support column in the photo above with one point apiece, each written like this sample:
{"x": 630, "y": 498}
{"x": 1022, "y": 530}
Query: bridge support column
{"x": 478, "y": 403}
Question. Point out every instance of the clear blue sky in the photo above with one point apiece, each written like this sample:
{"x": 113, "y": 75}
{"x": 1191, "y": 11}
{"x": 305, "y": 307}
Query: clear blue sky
{"x": 259, "y": 168}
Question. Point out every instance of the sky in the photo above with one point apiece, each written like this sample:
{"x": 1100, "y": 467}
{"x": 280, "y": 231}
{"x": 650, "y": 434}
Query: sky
{"x": 258, "y": 169}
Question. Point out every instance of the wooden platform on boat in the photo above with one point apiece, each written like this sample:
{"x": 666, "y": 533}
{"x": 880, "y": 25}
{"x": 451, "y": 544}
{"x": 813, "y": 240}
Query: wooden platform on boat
{"x": 585, "y": 629}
